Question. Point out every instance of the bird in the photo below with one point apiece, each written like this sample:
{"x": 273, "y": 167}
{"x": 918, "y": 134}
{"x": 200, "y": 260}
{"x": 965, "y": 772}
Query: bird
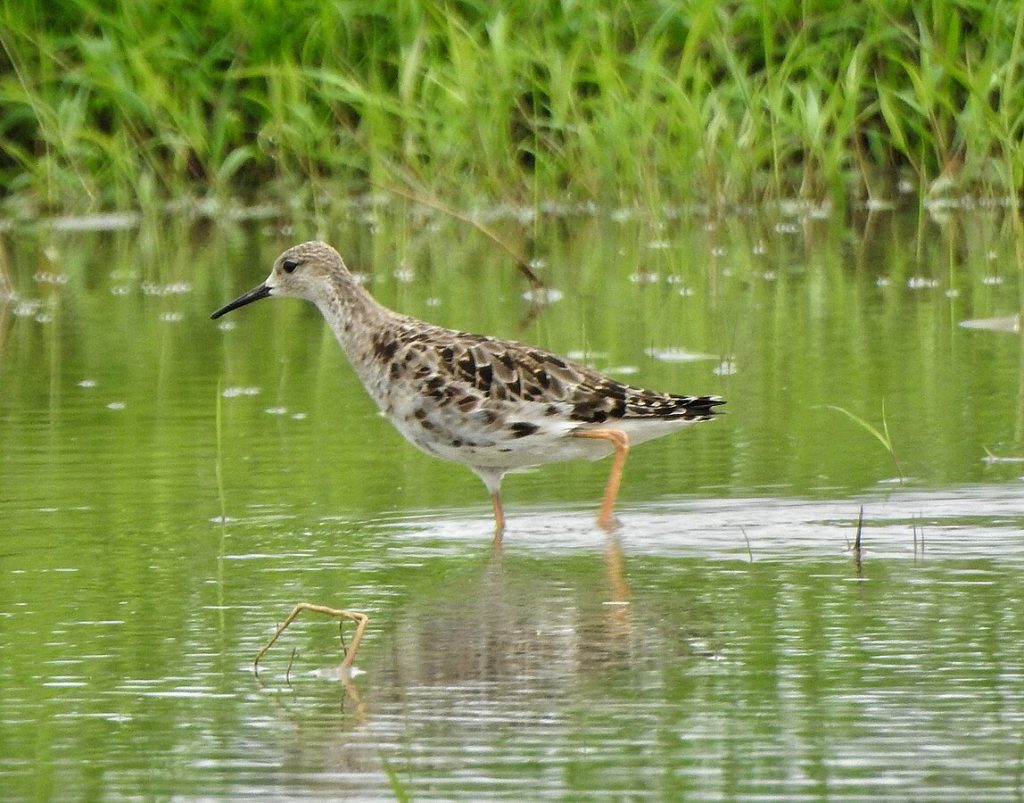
{"x": 491, "y": 404}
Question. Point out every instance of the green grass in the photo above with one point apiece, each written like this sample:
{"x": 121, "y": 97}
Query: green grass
{"x": 881, "y": 435}
{"x": 126, "y": 105}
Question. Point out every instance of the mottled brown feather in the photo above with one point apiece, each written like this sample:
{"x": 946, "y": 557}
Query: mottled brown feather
{"x": 505, "y": 370}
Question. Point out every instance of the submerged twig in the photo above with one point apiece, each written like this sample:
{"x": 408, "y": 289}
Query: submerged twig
{"x": 288, "y": 671}
{"x": 348, "y": 655}
{"x": 857, "y": 541}
{"x": 750, "y": 553}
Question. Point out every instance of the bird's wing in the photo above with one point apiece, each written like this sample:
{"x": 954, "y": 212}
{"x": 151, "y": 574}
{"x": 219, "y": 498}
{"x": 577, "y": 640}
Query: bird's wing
{"x": 505, "y": 370}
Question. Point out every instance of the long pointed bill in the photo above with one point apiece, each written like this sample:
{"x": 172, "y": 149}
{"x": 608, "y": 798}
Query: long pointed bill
{"x": 247, "y": 298}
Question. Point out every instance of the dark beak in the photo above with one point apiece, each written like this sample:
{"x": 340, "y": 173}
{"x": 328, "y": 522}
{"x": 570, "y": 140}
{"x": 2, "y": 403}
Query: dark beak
{"x": 247, "y": 298}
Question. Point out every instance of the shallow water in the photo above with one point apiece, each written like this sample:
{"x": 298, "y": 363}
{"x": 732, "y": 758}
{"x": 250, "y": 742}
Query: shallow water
{"x": 727, "y": 642}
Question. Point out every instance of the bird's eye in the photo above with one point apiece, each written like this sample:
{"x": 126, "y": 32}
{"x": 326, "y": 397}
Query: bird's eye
{"x": 289, "y": 265}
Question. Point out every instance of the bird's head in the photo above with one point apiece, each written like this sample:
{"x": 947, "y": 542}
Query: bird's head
{"x": 303, "y": 271}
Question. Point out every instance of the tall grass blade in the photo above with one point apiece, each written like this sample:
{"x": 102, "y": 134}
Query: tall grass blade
{"x": 882, "y": 436}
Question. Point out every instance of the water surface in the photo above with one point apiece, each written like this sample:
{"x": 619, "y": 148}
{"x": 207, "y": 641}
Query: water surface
{"x": 726, "y": 643}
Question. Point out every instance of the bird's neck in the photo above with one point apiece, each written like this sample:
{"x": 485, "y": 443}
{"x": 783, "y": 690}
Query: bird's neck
{"x": 355, "y": 317}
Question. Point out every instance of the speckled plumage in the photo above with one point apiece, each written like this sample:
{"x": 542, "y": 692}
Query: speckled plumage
{"x": 488, "y": 403}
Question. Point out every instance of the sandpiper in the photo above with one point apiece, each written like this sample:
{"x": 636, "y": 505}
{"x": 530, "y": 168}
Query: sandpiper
{"x": 490, "y": 404}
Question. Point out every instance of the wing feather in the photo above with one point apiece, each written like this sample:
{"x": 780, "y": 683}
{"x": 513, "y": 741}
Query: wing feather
{"x": 493, "y": 369}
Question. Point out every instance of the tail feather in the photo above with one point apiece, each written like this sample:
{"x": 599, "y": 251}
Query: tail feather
{"x": 698, "y": 407}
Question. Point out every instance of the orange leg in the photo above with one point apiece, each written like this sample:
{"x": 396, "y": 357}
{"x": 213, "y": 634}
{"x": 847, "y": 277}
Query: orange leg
{"x": 620, "y": 442}
{"x": 499, "y": 517}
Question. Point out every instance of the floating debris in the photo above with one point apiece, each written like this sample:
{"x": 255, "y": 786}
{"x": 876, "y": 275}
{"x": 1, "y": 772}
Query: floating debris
{"x": 578, "y": 355}
{"x": 543, "y": 295}
{"x": 879, "y": 204}
{"x": 232, "y": 392}
{"x": 48, "y": 277}
{"x": 726, "y": 367}
{"x": 675, "y": 354}
{"x": 992, "y": 458}
{"x": 1009, "y": 323}
{"x": 27, "y": 307}
{"x": 172, "y": 289}
{"x": 644, "y": 278}
{"x": 112, "y": 221}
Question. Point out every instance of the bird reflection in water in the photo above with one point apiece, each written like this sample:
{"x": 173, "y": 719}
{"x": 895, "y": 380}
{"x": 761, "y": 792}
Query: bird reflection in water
{"x": 514, "y": 619}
